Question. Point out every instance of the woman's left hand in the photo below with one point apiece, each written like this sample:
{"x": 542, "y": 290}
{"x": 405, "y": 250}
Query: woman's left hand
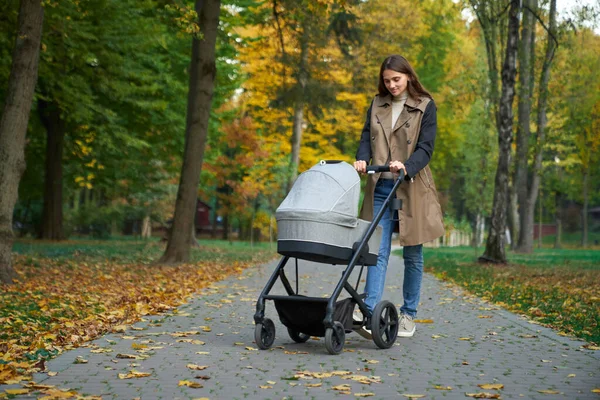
{"x": 396, "y": 166}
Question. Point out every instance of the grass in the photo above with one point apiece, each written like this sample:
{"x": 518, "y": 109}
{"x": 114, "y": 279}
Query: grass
{"x": 555, "y": 288}
{"x": 127, "y": 250}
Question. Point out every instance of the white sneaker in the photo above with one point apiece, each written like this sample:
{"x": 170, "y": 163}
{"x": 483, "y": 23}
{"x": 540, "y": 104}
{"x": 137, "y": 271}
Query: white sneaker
{"x": 357, "y": 316}
{"x": 407, "y": 326}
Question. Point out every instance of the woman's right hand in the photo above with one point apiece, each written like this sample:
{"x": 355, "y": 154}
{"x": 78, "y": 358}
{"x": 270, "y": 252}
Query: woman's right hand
{"x": 360, "y": 166}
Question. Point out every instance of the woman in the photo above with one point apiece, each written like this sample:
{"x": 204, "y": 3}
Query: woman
{"x": 399, "y": 131}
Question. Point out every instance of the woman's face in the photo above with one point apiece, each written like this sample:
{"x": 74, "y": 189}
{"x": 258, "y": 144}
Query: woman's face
{"x": 395, "y": 82}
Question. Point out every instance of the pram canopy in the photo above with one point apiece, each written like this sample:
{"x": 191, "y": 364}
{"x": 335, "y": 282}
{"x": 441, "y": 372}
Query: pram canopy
{"x": 327, "y": 193}
{"x": 318, "y": 219}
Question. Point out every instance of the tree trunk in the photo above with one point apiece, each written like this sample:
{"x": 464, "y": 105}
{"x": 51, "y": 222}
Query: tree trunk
{"x": 299, "y": 108}
{"x": 52, "y": 214}
{"x": 494, "y": 250}
{"x": 525, "y": 234}
{"x": 146, "y": 227}
{"x": 558, "y": 220}
{"x": 13, "y": 124}
{"x": 513, "y": 216}
{"x": 201, "y": 86}
{"x": 225, "y": 227}
{"x": 526, "y": 245}
{"x": 584, "y": 211}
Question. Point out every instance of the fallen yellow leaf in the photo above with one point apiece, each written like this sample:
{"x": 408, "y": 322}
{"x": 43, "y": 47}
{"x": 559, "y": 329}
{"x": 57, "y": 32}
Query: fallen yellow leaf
{"x": 17, "y": 391}
{"x": 343, "y": 387}
{"x": 197, "y": 367}
{"x": 134, "y": 374}
{"x": 423, "y": 321}
{"x": 414, "y": 396}
{"x": 488, "y": 386}
{"x": 364, "y": 394}
{"x": 440, "y": 387}
{"x": 483, "y": 395}
{"x": 54, "y": 394}
{"x": 191, "y": 384}
{"x": 549, "y": 391}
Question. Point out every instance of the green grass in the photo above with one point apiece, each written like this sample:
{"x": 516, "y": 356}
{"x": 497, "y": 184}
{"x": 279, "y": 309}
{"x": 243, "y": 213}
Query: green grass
{"x": 556, "y": 288}
{"x": 544, "y": 258}
{"x": 129, "y": 250}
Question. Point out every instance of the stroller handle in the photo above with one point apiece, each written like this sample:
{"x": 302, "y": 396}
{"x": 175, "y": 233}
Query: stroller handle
{"x": 371, "y": 169}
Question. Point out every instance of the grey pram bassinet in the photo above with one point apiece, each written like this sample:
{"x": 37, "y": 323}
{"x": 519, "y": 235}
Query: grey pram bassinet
{"x": 318, "y": 219}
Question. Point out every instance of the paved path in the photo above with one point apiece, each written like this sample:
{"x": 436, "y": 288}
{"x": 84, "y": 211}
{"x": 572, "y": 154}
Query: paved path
{"x": 469, "y": 342}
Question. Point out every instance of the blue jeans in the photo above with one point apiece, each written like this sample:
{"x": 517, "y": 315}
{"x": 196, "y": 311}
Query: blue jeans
{"x": 413, "y": 259}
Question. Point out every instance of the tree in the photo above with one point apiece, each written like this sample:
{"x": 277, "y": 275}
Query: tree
{"x": 528, "y": 192}
{"x": 494, "y": 250}
{"x": 201, "y": 85}
{"x": 526, "y": 84}
{"x": 13, "y": 125}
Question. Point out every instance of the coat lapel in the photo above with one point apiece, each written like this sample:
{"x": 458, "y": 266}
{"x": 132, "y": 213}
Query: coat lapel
{"x": 383, "y": 115}
{"x": 406, "y": 113}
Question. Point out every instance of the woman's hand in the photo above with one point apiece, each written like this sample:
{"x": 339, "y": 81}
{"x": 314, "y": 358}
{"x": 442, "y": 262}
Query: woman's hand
{"x": 396, "y": 166}
{"x": 360, "y": 166}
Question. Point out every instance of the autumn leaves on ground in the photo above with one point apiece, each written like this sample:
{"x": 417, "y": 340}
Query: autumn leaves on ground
{"x": 70, "y": 293}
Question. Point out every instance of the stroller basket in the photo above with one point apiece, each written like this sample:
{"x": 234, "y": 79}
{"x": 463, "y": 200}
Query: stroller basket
{"x": 306, "y": 314}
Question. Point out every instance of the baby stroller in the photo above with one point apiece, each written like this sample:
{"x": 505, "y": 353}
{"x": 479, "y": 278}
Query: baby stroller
{"x": 317, "y": 221}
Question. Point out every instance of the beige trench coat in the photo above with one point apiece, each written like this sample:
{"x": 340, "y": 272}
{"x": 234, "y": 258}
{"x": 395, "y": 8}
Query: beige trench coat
{"x": 421, "y": 215}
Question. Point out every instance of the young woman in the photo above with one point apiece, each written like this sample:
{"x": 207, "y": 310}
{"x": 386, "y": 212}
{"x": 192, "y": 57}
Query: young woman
{"x": 399, "y": 131}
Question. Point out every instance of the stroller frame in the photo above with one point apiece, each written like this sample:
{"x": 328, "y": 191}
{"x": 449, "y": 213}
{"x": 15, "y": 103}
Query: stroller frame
{"x": 337, "y": 320}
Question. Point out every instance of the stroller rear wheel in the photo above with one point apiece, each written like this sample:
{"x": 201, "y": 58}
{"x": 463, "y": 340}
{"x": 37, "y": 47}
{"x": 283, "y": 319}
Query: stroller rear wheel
{"x": 384, "y": 324}
{"x": 335, "y": 338}
{"x": 298, "y": 337}
{"x": 264, "y": 334}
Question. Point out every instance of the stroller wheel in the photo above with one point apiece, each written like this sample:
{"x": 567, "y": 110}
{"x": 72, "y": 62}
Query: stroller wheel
{"x": 384, "y": 324}
{"x": 264, "y": 334}
{"x": 335, "y": 338}
{"x": 298, "y": 337}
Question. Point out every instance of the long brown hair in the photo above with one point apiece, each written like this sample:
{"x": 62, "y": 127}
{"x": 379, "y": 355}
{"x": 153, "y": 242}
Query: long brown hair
{"x": 400, "y": 64}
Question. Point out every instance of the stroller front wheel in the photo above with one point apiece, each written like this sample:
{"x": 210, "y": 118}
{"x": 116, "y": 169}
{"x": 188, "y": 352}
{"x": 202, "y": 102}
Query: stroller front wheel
{"x": 264, "y": 334}
{"x": 298, "y": 337}
{"x": 335, "y": 338}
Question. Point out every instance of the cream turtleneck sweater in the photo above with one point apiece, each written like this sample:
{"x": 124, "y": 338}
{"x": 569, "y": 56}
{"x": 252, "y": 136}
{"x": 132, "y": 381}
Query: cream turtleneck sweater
{"x": 397, "y": 106}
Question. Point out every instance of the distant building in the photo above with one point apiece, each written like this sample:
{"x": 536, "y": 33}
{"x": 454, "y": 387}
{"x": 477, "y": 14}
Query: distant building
{"x": 203, "y": 223}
